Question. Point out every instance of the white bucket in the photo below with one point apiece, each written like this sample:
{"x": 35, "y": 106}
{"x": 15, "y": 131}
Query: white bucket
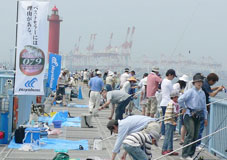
{"x": 97, "y": 144}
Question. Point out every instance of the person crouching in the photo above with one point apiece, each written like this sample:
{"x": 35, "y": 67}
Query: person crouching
{"x": 138, "y": 144}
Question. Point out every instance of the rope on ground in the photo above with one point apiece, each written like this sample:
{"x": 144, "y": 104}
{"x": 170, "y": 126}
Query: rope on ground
{"x": 191, "y": 143}
{"x": 10, "y": 150}
{"x": 3, "y": 150}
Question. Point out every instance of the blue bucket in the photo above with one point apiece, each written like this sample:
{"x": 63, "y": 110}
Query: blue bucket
{"x": 57, "y": 124}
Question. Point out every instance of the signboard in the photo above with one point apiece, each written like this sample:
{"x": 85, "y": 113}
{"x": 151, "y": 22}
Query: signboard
{"x": 32, "y": 43}
{"x": 54, "y": 70}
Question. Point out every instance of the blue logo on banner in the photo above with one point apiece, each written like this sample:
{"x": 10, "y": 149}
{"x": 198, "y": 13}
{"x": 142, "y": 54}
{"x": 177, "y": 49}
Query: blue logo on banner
{"x": 30, "y": 83}
{"x": 54, "y": 70}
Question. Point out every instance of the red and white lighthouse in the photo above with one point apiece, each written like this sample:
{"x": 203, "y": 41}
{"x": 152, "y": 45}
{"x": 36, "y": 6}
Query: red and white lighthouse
{"x": 54, "y": 31}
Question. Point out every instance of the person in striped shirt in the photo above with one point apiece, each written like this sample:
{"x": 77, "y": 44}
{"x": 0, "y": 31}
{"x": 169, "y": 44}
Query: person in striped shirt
{"x": 138, "y": 144}
{"x": 170, "y": 123}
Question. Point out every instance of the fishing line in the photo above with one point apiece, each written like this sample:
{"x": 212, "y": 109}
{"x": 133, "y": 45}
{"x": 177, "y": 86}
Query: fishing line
{"x": 159, "y": 119}
{"x": 186, "y": 28}
{"x": 210, "y": 137}
{"x": 192, "y": 143}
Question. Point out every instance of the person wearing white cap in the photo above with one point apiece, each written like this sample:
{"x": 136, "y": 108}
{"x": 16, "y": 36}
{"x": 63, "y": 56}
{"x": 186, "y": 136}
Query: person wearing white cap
{"x": 124, "y": 77}
{"x": 62, "y": 81}
{"x": 181, "y": 83}
{"x": 138, "y": 144}
{"x": 110, "y": 81}
{"x": 96, "y": 85}
{"x": 153, "y": 80}
{"x": 172, "y": 110}
{"x": 143, "y": 98}
{"x": 180, "y": 87}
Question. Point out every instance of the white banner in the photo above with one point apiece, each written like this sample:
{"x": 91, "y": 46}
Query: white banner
{"x": 32, "y": 43}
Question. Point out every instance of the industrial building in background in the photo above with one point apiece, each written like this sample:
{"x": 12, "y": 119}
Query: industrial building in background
{"x": 112, "y": 58}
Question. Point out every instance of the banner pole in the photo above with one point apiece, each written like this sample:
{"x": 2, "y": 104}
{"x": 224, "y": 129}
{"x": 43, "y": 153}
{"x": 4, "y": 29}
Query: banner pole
{"x": 15, "y": 56}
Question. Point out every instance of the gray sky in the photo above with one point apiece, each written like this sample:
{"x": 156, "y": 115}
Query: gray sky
{"x": 162, "y": 26}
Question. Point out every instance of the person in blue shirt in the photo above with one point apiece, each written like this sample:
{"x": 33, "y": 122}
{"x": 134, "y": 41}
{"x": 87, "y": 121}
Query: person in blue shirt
{"x": 96, "y": 85}
{"x": 193, "y": 102}
{"x": 211, "y": 79}
{"x": 130, "y": 124}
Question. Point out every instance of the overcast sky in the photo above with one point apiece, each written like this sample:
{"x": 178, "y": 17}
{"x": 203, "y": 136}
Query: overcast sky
{"x": 162, "y": 26}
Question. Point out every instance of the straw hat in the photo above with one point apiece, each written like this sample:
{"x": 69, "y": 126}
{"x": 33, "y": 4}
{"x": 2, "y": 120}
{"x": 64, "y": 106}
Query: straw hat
{"x": 132, "y": 79}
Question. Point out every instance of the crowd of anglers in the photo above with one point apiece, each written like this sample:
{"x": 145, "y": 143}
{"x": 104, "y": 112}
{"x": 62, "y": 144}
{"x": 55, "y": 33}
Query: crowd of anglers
{"x": 186, "y": 100}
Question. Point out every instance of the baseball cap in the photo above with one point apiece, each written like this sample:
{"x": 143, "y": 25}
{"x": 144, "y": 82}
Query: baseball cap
{"x": 172, "y": 72}
{"x": 126, "y": 70}
{"x": 174, "y": 93}
{"x": 110, "y": 125}
{"x": 153, "y": 129}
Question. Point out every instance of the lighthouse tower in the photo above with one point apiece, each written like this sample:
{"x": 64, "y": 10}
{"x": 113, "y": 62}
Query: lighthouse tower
{"x": 54, "y": 31}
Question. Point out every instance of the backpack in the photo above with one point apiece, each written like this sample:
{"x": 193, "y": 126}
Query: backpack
{"x": 61, "y": 156}
{"x": 19, "y": 134}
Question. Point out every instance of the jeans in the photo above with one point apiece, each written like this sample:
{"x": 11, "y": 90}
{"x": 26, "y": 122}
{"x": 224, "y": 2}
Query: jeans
{"x": 120, "y": 110}
{"x": 135, "y": 152}
{"x": 163, "y": 124}
{"x": 108, "y": 87}
{"x": 200, "y": 131}
{"x": 192, "y": 126}
{"x": 168, "y": 142}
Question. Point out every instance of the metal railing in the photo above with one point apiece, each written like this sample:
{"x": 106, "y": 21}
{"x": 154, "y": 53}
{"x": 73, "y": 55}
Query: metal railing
{"x": 217, "y": 119}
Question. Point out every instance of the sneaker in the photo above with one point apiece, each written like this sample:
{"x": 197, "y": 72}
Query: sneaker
{"x": 199, "y": 148}
{"x": 187, "y": 158}
{"x": 164, "y": 152}
{"x": 175, "y": 139}
{"x": 181, "y": 143}
{"x": 173, "y": 154}
{"x": 162, "y": 137}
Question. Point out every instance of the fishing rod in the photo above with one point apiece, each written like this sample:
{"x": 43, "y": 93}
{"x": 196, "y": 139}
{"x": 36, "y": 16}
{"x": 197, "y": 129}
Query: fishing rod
{"x": 192, "y": 143}
{"x": 210, "y": 138}
{"x": 159, "y": 119}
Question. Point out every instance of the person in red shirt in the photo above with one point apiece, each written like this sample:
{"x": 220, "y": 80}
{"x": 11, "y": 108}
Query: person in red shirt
{"x": 153, "y": 80}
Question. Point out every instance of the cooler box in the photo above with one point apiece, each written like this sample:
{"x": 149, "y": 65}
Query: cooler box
{"x": 32, "y": 133}
{"x": 86, "y": 120}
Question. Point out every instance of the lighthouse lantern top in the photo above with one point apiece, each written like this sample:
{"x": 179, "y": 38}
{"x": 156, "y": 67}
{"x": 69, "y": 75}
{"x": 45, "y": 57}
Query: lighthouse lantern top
{"x": 55, "y": 10}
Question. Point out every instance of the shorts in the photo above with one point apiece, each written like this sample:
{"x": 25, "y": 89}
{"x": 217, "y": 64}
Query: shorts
{"x": 143, "y": 105}
{"x": 61, "y": 90}
{"x": 152, "y": 105}
{"x": 85, "y": 81}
